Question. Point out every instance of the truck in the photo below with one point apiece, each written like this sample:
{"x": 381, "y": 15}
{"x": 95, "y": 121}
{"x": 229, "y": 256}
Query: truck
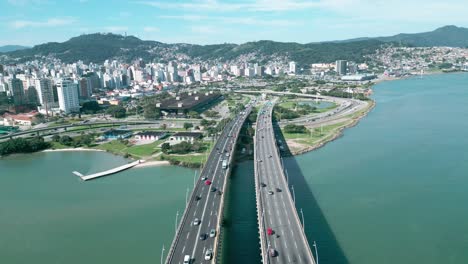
{"x": 225, "y": 164}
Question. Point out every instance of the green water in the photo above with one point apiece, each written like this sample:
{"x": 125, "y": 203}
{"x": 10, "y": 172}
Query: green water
{"x": 391, "y": 190}
{"x": 394, "y": 188}
{"x": 48, "y": 215}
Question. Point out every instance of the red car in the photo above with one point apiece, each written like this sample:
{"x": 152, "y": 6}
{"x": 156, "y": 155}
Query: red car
{"x": 207, "y": 182}
{"x": 270, "y": 231}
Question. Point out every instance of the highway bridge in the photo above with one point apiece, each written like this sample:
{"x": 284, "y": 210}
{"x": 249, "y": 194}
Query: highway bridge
{"x": 282, "y": 236}
{"x": 346, "y": 106}
{"x": 194, "y": 238}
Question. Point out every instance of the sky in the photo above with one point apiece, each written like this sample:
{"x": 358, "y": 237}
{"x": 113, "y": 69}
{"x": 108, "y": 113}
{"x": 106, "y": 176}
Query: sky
{"x": 31, "y": 22}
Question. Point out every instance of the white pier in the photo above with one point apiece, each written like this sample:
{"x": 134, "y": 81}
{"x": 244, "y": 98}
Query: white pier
{"x": 107, "y": 172}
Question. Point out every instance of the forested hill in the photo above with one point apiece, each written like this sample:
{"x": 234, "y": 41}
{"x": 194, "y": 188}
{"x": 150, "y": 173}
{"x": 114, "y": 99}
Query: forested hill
{"x": 99, "y": 47}
{"x": 448, "y": 36}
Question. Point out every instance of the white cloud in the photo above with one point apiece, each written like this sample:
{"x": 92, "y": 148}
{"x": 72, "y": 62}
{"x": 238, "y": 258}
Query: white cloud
{"x": 151, "y": 29}
{"x": 51, "y": 22}
{"x": 25, "y": 2}
{"x": 236, "y": 20}
{"x": 203, "y": 29}
{"x": 116, "y": 29}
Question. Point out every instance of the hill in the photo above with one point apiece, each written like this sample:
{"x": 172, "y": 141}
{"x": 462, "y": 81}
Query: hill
{"x": 9, "y": 48}
{"x": 448, "y": 36}
{"x": 99, "y": 47}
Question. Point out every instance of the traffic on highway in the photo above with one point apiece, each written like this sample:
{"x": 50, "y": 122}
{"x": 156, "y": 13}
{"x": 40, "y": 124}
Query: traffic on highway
{"x": 197, "y": 234}
{"x": 283, "y": 238}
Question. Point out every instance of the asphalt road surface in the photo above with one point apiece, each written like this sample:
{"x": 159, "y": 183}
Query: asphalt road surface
{"x": 187, "y": 240}
{"x": 279, "y": 212}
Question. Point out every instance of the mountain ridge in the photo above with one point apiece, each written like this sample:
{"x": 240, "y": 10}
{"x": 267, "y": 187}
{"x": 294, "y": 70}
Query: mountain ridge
{"x": 98, "y": 47}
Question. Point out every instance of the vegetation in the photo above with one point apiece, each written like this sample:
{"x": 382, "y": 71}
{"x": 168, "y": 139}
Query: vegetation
{"x": 295, "y": 129}
{"x": 21, "y": 145}
{"x": 99, "y": 47}
{"x": 187, "y": 126}
{"x": 91, "y": 107}
{"x": 151, "y": 112}
{"x": 183, "y": 147}
{"x": 281, "y": 113}
{"x": 79, "y": 141}
{"x": 116, "y": 111}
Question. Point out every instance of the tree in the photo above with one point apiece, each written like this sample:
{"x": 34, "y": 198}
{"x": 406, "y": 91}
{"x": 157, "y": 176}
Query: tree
{"x": 296, "y": 129}
{"x": 40, "y": 118}
{"x": 90, "y": 107}
{"x": 165, "y": 147}
{"x": 66, "y": 140}
{"x": 193, "y": 114}
{"x": 188, "y": 125}
{"x": 163, "y": 126}
{"x": 55, "y": 138}
{"x": 117, "y": 111}
{"x": 151, "y": 112}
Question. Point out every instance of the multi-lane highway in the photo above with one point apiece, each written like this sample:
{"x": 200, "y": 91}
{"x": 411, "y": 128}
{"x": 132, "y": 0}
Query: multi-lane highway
{"x": 206, "y": 203}
{"x": 282, "y": 237}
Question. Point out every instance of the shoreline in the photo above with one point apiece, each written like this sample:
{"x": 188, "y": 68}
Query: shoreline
{"x": 154, "y": 163}
{"x": 337, "y": 134}
{"x": 72, "y": 149}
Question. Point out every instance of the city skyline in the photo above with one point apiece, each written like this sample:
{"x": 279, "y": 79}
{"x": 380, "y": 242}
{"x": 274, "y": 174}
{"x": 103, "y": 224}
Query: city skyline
{"x": 32, "y": 22}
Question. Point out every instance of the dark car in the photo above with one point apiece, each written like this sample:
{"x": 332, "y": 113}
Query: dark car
{"x": 202, "y": 236}
{"x": 263, "y": 184}
{"x": 278, "y": 190}
{"x": 213, "y": 189}
{"x": 197, "y": 197}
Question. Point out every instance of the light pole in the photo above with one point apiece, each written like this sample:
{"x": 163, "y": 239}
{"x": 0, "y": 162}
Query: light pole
{"x": 177, "y": 216}
{"x": 162, "y": 254}
{"x": 303, "y": 223}
{"x": 194, "y": 178}
{"x": 316, "y": 252}
{"x": 294, "y": 195}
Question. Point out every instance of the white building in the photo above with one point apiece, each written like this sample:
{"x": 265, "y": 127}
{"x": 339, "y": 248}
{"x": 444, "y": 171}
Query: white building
{"x": 67, "y": 92}
{"x": 292, "y": 67}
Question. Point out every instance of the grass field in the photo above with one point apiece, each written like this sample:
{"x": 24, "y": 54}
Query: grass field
{"x": 315, "y": 135}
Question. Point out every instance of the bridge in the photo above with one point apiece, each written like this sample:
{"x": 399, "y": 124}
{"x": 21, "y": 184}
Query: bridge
{"x": 282, "y": 236}
{"x": 346, "y": 106}
{"x": 206, "y": 203}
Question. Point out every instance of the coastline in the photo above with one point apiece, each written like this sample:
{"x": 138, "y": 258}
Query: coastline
{"x": 154, "y": 163}
{"x": 72, "y": 149}
{"x": 338, "y": 133}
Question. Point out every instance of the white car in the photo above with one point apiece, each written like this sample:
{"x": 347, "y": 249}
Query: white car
{"x": 208, "y": 254}
{"x": 196, "y": 221}
{"x": 212, "y": 233}
{"x": 187, "y": 259}
{"x": 203, "y": 178}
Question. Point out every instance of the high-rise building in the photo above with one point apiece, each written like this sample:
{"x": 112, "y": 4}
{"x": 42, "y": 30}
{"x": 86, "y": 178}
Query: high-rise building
{"x": 292, "y": 67}
{"x": 31, "y": 95}
{"x": 45, "y": 92}
{"x": 259, "y": 70}
{"x": 16, "y": 90}
{"x": 68, "y": 96}
{"x": 84, "y": 90}
{"x": 341, "y": 67}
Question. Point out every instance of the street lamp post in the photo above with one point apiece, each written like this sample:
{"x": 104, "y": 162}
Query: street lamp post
{"x": 294, "y": 195}
{"x": 316, "y": 253}
{"x": 177, "y": 216}
{"x": 162, "y": 254}
{"x": 303, "y": 223}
